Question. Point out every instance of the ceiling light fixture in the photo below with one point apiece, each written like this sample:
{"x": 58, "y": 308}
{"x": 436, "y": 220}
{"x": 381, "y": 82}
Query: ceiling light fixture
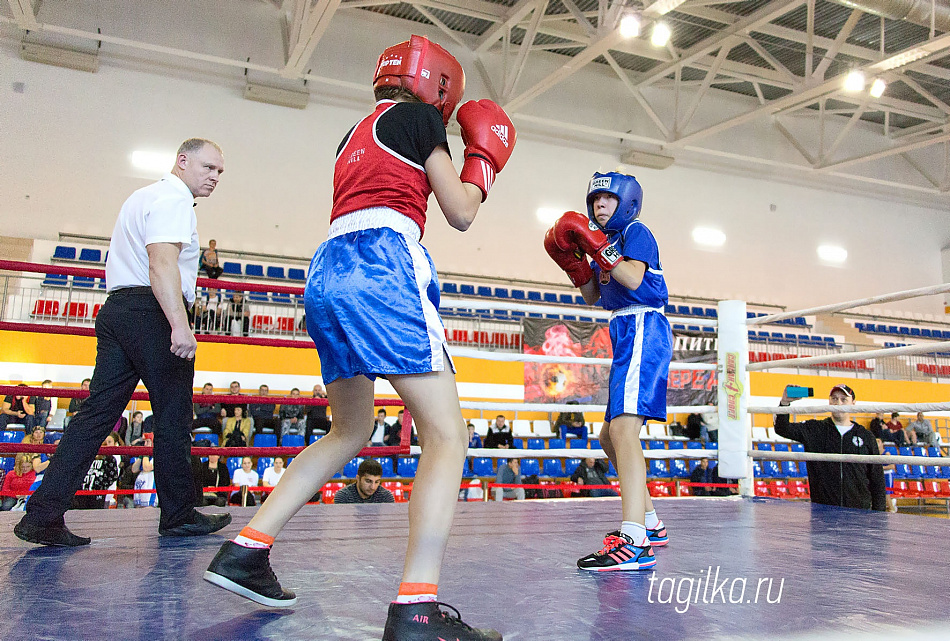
{"x": 630, "y": 26}
{"x": 877, "y": 88}
{"x": 661, "y": 34}
{"x": 854, "y": 81}
{"x": 709, "y": 237}
{"x": 832, "y": 253}
{"x": 154, "y": 162}
{"x": 549, "y": 215}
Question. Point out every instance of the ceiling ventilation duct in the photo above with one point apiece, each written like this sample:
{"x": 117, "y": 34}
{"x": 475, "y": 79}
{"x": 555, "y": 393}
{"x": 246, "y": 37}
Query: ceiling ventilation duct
{"x": 915, "y": 11}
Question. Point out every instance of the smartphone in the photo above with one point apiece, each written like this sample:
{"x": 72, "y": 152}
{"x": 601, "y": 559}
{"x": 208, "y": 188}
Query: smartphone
{"x": 794, "y": 391}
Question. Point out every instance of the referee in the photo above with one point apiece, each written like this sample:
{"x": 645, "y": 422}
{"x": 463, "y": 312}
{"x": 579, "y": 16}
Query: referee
{"x": 142, "y": 333}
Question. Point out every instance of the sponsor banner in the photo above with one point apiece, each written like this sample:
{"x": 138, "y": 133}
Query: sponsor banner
{"x": 559, "y": 383}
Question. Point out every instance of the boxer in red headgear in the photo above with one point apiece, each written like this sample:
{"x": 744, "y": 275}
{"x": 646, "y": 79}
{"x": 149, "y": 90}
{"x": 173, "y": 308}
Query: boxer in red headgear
{"x": 372, "y": 300}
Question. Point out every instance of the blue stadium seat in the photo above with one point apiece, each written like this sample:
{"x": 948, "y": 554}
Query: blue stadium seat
{"x": 387, "y": 464}
{"x": 802, "y": 469}
{"x": 764, "y": 446}
{"x": 697, "y": 311}
{"x": 281, "y": 298}
{"x": 250, "y": 269}
{"x": 55, "y": 280}
{"x": 593, "y": 443}
{"x": 772, "y": 469}
{"x": 675, "y": 445}
{"x": 501, "y": 292}
{"x": 64, "y": 252}
{"x": 275, "y": 272}
{"x": 797, "y": 447}
{"x": 611, "y": 471}
{"x": 682, "y": 310}
{"x": 550, "y": 297}
{"x": 566, "y": 299}
{"x": 530, "y": 466}
{"x": 658, "y": 469}
{"x": 7, "y": 463}
{"x": 406, "y": 466}
{"x": 789, "y": 469}
{"x": 484, "y": 292}
{"x": 483, "y": 466}
{"x": 314, "y": 438}
{"x": 233, "y": 269}
{"x": 915, "y": 331}
{"x": 711, "y": 312}
{"x": 712, "y": 446}
{"x": 577, "y": 443}
{"x": 263, "y": 463}
{"x": 926, "y": 333}
{"x": 84, "y": 281}
{"x": 756, "y": 469}
{"x": 9, "y": 436}
{"x": 535, "y": 443}
{"x": 556, "y": 444}
{"x": 517, "y": 294}
{"x": 259, "y": 297}
{"x": 694, "y": 445}
{"x": 450, "y": 288}
{"x": 350, "y": 469}
{"x": 656, "y": 445}
{"x": 207, "y": 436}
{"x": 570, "y": 465}
{"x": 265, "y": 440}
{"x": 233, "y": 463}
{"x": 552, "y": 467}
{"x": 679, "y": 469}
{"x": 292, "y": 440}
{"x": 90, "y": 255}
{"x": 781, "y": 447}
{"x": 467, "y": 290}
{"x": 534, "y": 296}
{"x": 517, "y": 443}
{"x": 295, "y": 273}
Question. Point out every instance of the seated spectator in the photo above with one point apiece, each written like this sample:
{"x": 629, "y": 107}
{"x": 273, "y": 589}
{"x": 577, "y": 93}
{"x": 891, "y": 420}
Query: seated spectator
{"x": 571, "y": 423}
{"x": 235, "y": 316}
{"x": 474, "y": 440}
{"x": 393, "y": 434}
{"x": 144, "y": 471}
{"x": 593, "y": 472}
{"x": 876, "y": 426}
{"x": 894, "y": 432}
{"x": 238, "y": 429}
{"x": 696, "y": 428}
{"x": 702, "y": 475}
{"x": 18, "y": 410}
{"x": 265, "y": 421}
{"x": 711, "y": 420}
{"x": 209, "y": 311}
{"x": 509, "y": 472}
{"x": 209, "y": 261}
{"x": 368, "y": 486}
{"x": 212, "y": 473}
{"x": 499, "y": 435}
{"x": 293, "y": 418}
{"x": 42, "y": 406}
{"x": 379, "y": 427}
{"x": 76, "y": 403}
{"x": 922, "y": 432}
{"x": 37, "y": 437}
{"x": 17, "y": 482}
{"x": 102, "y": 474}
{"x": 136, "y": 428}
{"x": 317, "y": 420}
{"x": 227, "y": 409}
{"x": 122, "y": 461}
{"x": 245, "y": 477}
{"x": 273, "y": 474}
{"x": 722, "y": 491}
{"x": 207, "y": 414}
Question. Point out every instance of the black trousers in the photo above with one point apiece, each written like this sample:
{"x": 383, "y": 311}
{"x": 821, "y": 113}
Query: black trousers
{"x": 133, "y": 343}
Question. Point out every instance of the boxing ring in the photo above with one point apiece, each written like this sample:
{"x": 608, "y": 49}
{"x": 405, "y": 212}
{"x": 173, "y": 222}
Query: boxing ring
{"x": 740, "y": 567}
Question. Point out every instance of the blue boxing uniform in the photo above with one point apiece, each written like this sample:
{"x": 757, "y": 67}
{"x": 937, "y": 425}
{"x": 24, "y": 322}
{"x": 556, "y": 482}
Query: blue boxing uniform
{"x": 639, "y": 331}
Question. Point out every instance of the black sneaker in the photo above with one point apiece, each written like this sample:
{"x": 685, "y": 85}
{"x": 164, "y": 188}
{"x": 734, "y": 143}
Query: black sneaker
{"x": 55, "y": 535}
{"x": 247, "y": 572}
{"x": 620, "y": 552}
{"x": 201, "y": 525}
{"x": 426, "y": 622}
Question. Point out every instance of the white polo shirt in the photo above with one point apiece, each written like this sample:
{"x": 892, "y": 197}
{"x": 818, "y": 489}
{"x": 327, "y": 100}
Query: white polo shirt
{"x": 163, "y": 212}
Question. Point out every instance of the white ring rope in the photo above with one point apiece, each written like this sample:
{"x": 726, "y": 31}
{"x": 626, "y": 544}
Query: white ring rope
{"x": 590, "y": 312}
{"x": 684, "y": 453}
{"x": 883, "y": 459}
{"x": 863, "y": 408}
{"x": 840, "y": 307}
{"x": 868, "y": 355}
{"x": 552, "y": 407}
{"x": 511, "y": 357}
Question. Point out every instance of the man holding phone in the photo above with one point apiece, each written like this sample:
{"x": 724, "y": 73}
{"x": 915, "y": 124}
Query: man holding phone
{"x": 856, "y": 485}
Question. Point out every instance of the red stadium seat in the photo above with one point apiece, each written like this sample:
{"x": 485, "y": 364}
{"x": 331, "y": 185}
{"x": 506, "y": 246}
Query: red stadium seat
{"x": 396, "y": 488}
{"x": 76, "y": 310}
{"x": 330, "y": 489}
{"x": 285, "y": 323}
{"x": 259, "y": 321}
{"x": 46, "y": 308}
{"x": 95, "y": 310}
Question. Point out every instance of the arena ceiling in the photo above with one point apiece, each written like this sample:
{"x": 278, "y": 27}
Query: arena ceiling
{"x": 786, "y": 58}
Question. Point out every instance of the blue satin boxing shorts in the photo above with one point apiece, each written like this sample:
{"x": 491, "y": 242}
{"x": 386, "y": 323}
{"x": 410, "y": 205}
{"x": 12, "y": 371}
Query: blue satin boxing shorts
{"x": 643, "y": 347}
{"x": 372, "y": 299}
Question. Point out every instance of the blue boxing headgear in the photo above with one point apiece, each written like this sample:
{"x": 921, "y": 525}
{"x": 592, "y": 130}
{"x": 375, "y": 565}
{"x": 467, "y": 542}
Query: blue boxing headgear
{"x": 627, "y": 190}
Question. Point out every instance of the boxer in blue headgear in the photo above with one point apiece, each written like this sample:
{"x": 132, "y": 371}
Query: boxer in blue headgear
{"x": 626, "y": 276}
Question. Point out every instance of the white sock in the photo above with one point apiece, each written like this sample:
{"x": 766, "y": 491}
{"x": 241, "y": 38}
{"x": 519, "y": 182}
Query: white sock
{"x": 635, "y": 531}
{"x": 650, "y": 520}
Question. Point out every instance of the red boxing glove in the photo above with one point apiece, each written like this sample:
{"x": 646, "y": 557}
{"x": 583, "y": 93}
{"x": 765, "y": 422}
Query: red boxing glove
{"x": 489, "y": 139}
{"x": 576, "y": 268}
{"x": 573, "y": 229}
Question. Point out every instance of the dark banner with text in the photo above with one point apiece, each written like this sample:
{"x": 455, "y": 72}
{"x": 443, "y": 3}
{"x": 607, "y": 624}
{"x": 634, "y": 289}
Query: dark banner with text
{"x": 588, "y": 384}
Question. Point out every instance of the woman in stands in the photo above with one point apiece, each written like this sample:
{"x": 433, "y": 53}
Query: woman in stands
{"x": 17, "y": 483}
{"x": 38, "y": 437}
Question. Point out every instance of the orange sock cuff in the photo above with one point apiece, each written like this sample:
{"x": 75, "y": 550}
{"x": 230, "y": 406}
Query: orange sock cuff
{"x": 254, "y": 535}
{"x": 417, "y": 592}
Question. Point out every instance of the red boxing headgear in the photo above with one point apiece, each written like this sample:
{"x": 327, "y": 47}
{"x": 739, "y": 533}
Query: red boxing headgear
{"x": 424, "y": 69}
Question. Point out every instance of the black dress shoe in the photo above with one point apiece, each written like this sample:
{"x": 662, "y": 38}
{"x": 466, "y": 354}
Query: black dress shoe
{"x": 200, "y": 525}
{"x": 56, "y": 535}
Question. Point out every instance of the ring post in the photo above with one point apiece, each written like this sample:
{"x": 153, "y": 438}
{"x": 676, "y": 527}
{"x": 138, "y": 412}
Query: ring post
{"x": 735, "y": 423}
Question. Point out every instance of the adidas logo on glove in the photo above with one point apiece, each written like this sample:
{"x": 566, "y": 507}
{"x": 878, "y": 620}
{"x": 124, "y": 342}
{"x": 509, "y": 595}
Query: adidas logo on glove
{"x": 502, "y": 132}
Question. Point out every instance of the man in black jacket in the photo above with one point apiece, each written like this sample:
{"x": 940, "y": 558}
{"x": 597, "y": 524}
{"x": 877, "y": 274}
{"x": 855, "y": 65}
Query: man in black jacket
{"x": 857, "y": 485}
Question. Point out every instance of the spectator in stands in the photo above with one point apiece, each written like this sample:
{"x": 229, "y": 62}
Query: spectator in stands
{"x": 876, "y": 427}
{"x": 17, "y": 482}
{"x": 76, "y": 403}
{"x": 245, "y": 477}
{"x": 379, "y": 427}
{"x": 37, "y": 437}
{"x": 499, "y": 435}
{"x": 509, "y": 473}
{"x": 711, "y": 419}
{"x": 368, "y": 486}
{"x": 209, "y": 260}
{"x": 890, "y": 471}
{"x": 227, "y": 409}
{"x": 265, "y": 421}
{"x": 696, "y": 428}
{"x": 103, "y": 472}
{"x": 895, "y": 431}
{"x": 293, "y": 418}
{"x": 133, "y": 433}
{"x": 122, "y": 461}
{"x": 317, "y": 420}
{"x": 921, "y": 431}
{"x": 238, "y": 429}
{"x": 236, "y": 316}
{"x": 592, "y": 472}
{"x": 856, "y": 485}
{"x": 43, "y": 406}
{"x": 273, "y": 473}
{"x": 474, "y": 440}
{"x": 701, "y": 475}
{"x": 207, "y": 414}
{"x": 213, "y": 473}
{"x": 18, "y": 410}
{"x": 209, "y": 310}
{"x": 393, "y": 434}
{"x": 571, "y": 422}
{"x": 144, "y": 470}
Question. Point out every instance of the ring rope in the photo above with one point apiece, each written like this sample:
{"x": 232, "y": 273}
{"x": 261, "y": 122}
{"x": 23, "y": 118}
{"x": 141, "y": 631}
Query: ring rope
{"x": 883, "y": 459}
{"x": 543, "y": 407}
{"x": 863, "y": 408}
{"x": 512, "y": 357}
{"x": 868, "y": 355}
{"x": 840, "y": 307}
